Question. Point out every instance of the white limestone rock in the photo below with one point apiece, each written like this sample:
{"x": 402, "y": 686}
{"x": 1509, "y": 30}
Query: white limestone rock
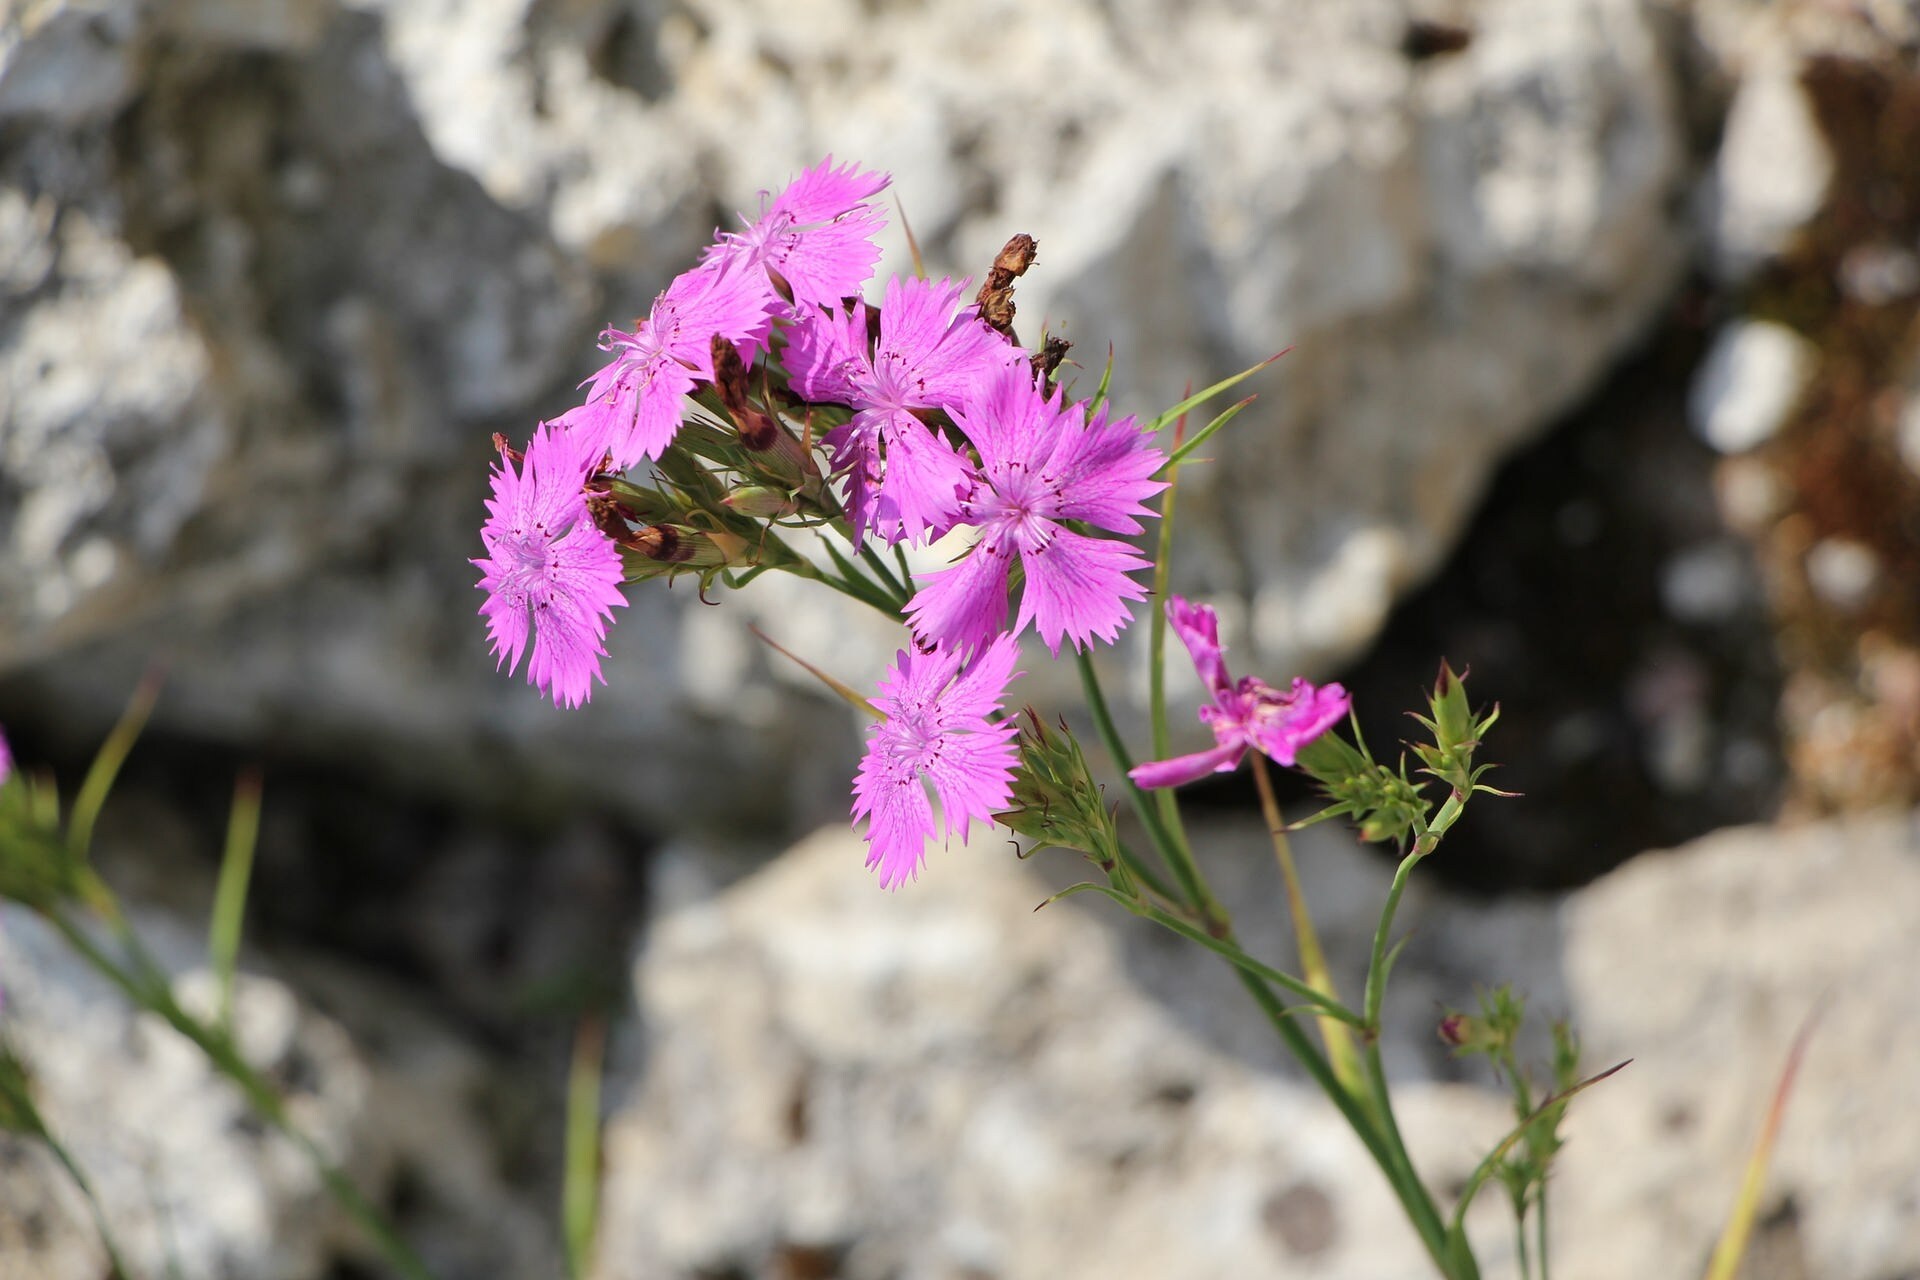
{"x": 938, "y": 1080}
{"x": 365, "y": 237}
{"x": 1749, "y": 383}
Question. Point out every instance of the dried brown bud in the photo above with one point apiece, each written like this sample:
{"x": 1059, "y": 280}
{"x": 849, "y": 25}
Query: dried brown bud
{"x": 1048, "y": 358}
{"x": 662, "y": 542}
{"x": 996, "y": 294}
{"x": 758, "y": 432}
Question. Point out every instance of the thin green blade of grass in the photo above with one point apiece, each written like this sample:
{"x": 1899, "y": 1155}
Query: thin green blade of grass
{"x": 1200, "y": 437}
{"x": 1201, "y": 397}
{"x": 1731, "y": 1249}
{"x": 106, "y": 765}
{"x": 230, "y": 892}
{"x": 580, "y": 1189}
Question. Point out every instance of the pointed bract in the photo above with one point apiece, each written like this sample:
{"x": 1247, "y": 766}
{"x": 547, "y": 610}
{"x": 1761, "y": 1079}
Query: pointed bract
{"x": 938, "y": 728}
{"x": 549, "y": 574}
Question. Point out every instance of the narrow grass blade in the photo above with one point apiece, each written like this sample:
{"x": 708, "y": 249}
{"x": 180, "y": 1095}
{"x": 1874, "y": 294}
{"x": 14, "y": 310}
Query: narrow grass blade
{"x": 1201, "y": 397}
{"x": 230, "y": 893}
{"x": 106, "y": 765}
{"x": 580, "y": 1189}
{"x": 1200, "y": 437}
{"x": 1735, "y": 1236}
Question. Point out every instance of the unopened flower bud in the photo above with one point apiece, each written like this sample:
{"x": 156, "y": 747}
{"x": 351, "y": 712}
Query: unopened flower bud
{"x": 760, "y": 502}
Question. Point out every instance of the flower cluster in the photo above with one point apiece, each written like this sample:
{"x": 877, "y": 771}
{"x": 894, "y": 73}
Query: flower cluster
{"x": 761, "y": 394}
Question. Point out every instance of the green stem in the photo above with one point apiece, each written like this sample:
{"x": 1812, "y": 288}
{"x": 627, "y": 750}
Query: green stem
{"x": 1173, "y": 851}
{"x": 1381, "y": 1138}
{"x": 1313, "y": 960}
{"x": 1137, "y": 867}
{"x": 885, "y": 573}
{"x": 1420, "y": 1207}
{"x": 1540, "y": 1227}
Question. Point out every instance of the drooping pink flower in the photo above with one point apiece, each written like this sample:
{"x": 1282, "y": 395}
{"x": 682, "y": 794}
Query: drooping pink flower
{"x": 937, "y": 728}
{"x": 1250, "y": 713}
{"x": 548, "y": 570}
{"x": 633, "y": 403}
{"x": 1043, "y": 463}
{"x": 902, "y": 475}
{"x": 816, "y": 236}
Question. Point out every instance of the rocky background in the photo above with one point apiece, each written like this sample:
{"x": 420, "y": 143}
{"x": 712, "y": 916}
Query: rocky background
{"x": 1604, "y": 379}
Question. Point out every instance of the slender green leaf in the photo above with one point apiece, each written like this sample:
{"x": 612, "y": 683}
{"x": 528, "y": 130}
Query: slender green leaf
{"x": 1185, "y": 451}
{"x": 1734, "y": 1237}
{"x": 230, "y": 892}
{"x": 1519, "y": 1131}
{"x": 580, "y": 1190}
{"x": 1201, "y": 397}
{"x": 1322, "y": 1004}
{"x": 106, "y": 765}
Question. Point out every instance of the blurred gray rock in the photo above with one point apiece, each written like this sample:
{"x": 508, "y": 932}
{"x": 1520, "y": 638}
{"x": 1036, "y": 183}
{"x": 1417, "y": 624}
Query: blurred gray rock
{"x": 1771, "y": 174}
{"x": 1702, "y": 964}
{"x": 192, "y": 1182}
{"x": 186, "y": 1174}
{"x": 941, "y": 1082}
{"x": 1749, "y": 383}
{"x": 274, "y": 275}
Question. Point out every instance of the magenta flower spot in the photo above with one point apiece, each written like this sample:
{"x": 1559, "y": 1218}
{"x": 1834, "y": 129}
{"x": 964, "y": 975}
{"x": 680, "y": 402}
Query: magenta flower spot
{"x": 634, "y": 401}
{"x": 6, "y": 758}
{"x": 903, "y": 477}
{"x": 937, "y": 728}
{"x": 1250, "y": 713}
{"x": 816, "y": 236}
{"x": 1043, "y": 463}
{"x": 548, "y": 570}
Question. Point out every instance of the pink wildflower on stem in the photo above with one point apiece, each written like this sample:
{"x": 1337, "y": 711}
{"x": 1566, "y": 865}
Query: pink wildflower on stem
{"x": 548, "y": 569}
{"x": 815, "y": 239}
{"x": 902, "y": 475}
{"x": 1043, "y": 463}
{"x": 633, "y": 403}
{"x": 1250, "y": 713}
{"x": 937, "y": 726}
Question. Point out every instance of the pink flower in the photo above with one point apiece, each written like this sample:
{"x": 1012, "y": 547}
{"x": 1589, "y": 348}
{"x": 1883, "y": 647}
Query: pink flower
{"x": 633, "y": 403}
{"x": 547, "y": 568}
{"x": 937, "y": 726}
{"x": 816, "y": 237}
{"x": 6, "y": 758}
{"x": 1043, "y": 463}
{"x": 1251, "y": 713}
{"x": 902, "y": 475}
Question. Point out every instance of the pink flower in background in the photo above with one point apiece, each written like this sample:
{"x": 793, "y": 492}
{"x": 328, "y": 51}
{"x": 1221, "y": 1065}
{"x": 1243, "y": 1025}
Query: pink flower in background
{"x": 548, "y": 570}
{"x": 6, "y": 758}
{"x": 633, "y": 403}
{"x": 937, "y": 726}
{"x": 902, "y": 475}
{"x": 1043, "y": 463}
{"x": 1250, "y": 713}
{"x": 816, "y": 236}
